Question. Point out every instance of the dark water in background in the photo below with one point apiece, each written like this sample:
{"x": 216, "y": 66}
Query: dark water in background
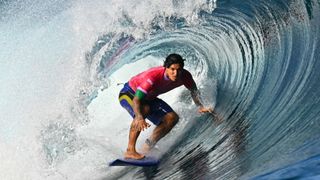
{"x": 263, "y": 57}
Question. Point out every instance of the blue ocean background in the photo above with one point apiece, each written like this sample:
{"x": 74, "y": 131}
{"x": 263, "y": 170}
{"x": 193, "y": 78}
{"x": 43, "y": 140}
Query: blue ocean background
{"x": 256, "y": 62}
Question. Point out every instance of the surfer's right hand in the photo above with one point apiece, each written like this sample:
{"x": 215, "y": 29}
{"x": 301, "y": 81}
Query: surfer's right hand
{"x": 139, "y": 124}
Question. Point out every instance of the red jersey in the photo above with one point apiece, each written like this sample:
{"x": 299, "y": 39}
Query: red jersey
{"x": 154, "y": 82}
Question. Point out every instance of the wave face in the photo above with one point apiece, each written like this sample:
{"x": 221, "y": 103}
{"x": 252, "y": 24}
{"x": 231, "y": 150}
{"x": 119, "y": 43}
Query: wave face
{"x": 256, "y": 62}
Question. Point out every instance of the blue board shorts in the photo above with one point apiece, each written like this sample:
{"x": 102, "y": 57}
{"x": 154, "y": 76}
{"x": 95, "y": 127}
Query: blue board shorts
{"x": 158, "y": 108}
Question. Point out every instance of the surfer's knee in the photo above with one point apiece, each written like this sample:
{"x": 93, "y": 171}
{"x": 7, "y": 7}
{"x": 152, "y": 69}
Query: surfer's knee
{"x": 171, "y": 119}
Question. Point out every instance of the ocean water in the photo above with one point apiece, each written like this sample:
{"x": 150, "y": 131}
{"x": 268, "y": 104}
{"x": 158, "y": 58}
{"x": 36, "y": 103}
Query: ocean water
{"x": 64, "y": 62}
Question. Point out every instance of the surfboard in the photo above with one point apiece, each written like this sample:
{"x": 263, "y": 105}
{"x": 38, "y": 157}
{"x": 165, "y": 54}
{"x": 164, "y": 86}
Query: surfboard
{"x": 146, "y": 161}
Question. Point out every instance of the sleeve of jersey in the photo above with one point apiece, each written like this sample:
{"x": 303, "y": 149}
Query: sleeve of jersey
{"x": 188, "y": 81}
{"x": 146, "y": 86}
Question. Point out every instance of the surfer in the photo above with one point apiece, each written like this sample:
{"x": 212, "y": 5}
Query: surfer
{"x": 139, "y": 98}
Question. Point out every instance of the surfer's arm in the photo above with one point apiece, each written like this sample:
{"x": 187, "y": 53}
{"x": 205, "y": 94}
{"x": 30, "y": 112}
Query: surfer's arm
{"x": 190, "y": 84}
{"x": 139, "y": 123}
{"x": 137, "y": 108}
{"x": 195, "y": 94}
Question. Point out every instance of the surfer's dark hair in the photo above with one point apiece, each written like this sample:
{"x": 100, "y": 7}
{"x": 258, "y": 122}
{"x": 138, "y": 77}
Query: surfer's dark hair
{"x": 173, "y": 59}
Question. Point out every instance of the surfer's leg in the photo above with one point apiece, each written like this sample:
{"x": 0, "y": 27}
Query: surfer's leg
{"x": 131, "y": 150}
{"x": 163, "y": 116}
{"x": 133, "y": 136}
{"x": 167, "y": 123}
{"x": 125, "y": 98}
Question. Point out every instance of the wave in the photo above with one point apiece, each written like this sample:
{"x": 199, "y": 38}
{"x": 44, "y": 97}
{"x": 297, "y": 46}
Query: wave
{"x": 255, "y": 62}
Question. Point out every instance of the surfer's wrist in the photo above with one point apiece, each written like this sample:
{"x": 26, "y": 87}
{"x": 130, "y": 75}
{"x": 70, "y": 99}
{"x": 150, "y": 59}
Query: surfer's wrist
{"x": 139, "y": 118}
{"x": 200, "y": 105}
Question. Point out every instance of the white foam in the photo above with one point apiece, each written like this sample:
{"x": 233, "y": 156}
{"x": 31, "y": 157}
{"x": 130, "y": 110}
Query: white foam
{"x": 38, "y": 80}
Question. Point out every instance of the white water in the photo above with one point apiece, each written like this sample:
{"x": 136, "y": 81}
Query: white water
{"x": 38, "y": 78}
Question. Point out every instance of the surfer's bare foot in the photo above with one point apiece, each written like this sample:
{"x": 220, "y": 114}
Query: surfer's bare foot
{"x": 133, "y": 155}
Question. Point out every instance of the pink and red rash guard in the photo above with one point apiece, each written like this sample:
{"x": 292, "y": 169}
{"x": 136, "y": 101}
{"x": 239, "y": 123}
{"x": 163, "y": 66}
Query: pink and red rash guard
{"x": 154, "y": 82}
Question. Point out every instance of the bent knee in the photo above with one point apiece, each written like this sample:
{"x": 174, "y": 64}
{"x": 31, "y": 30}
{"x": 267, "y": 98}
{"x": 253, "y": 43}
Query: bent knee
{"x": 171, "y": 118}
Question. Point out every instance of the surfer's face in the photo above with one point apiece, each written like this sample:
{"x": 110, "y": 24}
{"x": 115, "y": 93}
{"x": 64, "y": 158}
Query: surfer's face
{"x": 173, "y": 72}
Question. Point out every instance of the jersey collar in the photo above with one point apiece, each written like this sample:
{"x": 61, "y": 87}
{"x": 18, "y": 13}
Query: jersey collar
{"x": 165, "y": 77}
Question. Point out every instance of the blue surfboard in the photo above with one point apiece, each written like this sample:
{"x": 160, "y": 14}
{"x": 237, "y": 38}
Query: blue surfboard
{"x": 146, "y": 161}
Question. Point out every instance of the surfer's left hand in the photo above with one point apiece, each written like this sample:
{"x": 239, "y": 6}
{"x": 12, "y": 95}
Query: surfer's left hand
{"x": 203, "y": 109}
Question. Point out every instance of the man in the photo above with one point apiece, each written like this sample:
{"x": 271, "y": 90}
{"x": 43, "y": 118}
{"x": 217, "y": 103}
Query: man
{"x": 139, "y": 98}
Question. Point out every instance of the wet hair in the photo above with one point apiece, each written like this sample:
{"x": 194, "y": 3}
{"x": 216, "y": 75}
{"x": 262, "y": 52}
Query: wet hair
{"x": 173, "y": 59}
